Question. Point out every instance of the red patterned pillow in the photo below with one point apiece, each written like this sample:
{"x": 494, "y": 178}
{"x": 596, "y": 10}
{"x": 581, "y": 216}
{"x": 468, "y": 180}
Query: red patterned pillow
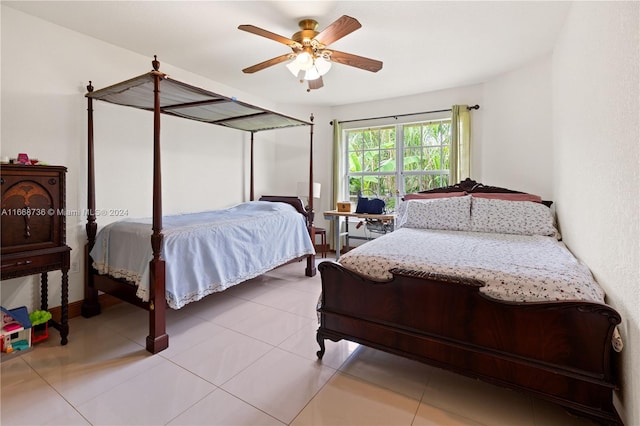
{"x": 428, "y": 196}
{"x": 508, "y": 197}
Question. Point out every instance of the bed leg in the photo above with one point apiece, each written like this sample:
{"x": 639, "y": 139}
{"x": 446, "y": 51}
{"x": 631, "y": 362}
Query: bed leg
{"x": 320, "y": 340}
{"x": 157, "y": 344}
{"x": 158, "y": 339}
{"x": 310, "y": 271}
{"x": 90, "y": 305}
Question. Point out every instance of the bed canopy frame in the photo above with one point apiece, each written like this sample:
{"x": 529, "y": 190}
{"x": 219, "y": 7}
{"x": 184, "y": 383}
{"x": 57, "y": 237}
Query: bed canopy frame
{"x": 155, "y": 91}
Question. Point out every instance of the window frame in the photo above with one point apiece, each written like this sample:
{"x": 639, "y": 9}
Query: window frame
{"x": 399, "y": 173}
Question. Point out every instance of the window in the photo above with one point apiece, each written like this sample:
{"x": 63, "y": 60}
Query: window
{"x": 389, "y": 160}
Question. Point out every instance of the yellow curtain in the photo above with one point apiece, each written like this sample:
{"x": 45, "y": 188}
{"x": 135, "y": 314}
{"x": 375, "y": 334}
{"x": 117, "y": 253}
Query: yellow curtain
{"x": 460, "y": 155}
{"x": 337, "y": 172}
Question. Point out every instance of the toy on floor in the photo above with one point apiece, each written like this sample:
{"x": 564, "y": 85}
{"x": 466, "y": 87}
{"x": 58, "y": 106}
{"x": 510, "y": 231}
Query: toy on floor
{"x": 16, "y": 329}
{"x": 40, "y": 325}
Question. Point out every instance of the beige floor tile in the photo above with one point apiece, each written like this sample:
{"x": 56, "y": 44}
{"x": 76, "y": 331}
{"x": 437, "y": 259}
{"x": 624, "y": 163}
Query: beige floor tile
{"x": 225, "y": 310}
{"x": 294, "y": 271}
{"x": 134, "y": 325}
{"x": 27, "y": 399}
{"x": 280, "y": 383}
{"x": 15, "y": 371}
{"x": 271, "y": 325}
{"x": 347, "y": 400}
{"x": 434, "y": 416}
{"x": 222, "y": 355}
{"x": 296, "y": 280}
{"x": 393, "y": 372}
{"x": 291, "y": 300}
{"x": 212, "y": 305}
{"x": 477, "y": 400}
{"x": 154, "y": 397}
{"x": 93, "y": 362}
{"x": 304, "y": 343}
{"x": 116, "y": 311}
{"x": 69, "y": 418}
{"x": 251, "y": 289}
{"x": 186, "y": 332}
{"x": 221, "y": 408}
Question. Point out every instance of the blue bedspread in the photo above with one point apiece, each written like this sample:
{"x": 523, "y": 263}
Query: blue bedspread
{"x": 204, "y": 252}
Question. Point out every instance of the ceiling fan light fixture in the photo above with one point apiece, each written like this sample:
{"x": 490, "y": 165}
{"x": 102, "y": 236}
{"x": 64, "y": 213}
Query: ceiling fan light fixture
{"x": 294, "y": 67}
{"x": 322, "y": 65}
{"x": 312, "y": 74}
{"x": 309, "y": 50}
{"x": 304, "y": 60}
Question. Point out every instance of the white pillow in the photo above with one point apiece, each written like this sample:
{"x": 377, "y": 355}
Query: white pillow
{"x": 438, "y": 213}
{"x": 511, "y": 217}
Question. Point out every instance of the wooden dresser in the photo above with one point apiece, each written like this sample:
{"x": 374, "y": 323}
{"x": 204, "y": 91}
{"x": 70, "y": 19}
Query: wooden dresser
{"x": 34, "y": 229}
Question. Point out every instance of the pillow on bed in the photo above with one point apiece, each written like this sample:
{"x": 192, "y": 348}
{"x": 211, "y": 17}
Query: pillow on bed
{"x": 428, "y": 196}
{"x": 511, "y": 217}
{"x": 266, "y": 206}
{"x": 508, "y": 197}
{"x": 451, "y": 213}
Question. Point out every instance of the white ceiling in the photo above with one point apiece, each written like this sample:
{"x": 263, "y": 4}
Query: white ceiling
{"x": 424, "y": 45}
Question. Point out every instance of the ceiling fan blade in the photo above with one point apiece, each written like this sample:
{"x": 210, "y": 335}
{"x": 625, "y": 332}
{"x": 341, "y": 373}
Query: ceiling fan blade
{"x": 315, "y": 84}
{"x": 268, "y": 34}
{"x": 356, "y": 61}
{"x": 338, "y": 29}
{"x": 266, "y": 64}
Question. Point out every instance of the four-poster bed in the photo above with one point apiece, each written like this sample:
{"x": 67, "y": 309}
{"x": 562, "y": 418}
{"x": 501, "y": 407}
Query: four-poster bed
{"x": 156, "y": 92}
{"x": 434, "y": 291}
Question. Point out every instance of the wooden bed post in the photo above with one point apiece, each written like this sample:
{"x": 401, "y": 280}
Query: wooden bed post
{"x": 157, "y": 340}
{"x": 90, "y": 305}
{"x": 188, "y": 97}
{"x": 311, "y": 260}
{"x": 251, "y": 195}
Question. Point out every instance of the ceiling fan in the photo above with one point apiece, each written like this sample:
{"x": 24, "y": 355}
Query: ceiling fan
{"x": 309, "y": 50}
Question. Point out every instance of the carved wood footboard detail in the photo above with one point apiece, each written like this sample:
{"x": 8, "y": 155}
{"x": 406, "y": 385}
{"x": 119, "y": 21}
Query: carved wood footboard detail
{"x": 559, "y": 351}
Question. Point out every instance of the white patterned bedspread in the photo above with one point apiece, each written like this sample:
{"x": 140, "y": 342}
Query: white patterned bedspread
{"x": 513, "y": 267}
{"x": 204, "y": 252}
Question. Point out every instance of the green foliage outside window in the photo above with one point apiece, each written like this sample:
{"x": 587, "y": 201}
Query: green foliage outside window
{"x": 380, "y": 163}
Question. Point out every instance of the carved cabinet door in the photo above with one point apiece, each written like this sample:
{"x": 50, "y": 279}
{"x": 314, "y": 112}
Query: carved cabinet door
{"x": 30, "y": 211}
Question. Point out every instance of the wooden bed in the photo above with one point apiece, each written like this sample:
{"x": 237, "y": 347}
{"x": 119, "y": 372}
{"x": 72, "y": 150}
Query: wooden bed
{"x": 560, "y": 351}
{"x": 156, "y": 92}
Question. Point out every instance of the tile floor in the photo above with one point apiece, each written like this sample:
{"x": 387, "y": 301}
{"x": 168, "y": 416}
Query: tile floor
{"x": 244, "y": 357}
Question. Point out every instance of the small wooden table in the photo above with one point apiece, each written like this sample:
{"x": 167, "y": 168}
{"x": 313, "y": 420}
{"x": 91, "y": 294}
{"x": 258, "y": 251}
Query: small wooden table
{"x": 335, "y": 215}
{"x": 34, "y": 230}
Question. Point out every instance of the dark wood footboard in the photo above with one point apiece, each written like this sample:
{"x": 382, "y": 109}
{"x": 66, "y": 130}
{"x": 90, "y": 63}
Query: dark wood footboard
{"x": 559, "y": 351}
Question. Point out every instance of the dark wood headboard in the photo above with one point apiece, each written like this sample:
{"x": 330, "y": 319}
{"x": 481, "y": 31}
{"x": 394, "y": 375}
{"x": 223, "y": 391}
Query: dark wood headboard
{"x": 292, "y": 200}
{"x": 470, "y": 186}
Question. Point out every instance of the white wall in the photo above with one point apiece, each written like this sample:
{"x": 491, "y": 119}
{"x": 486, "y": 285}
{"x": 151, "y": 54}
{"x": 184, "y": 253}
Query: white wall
{"x": 596, "y": 102}
{"x": 516, "y": 142}
{"x": 288, "y": 158}
{"x": 45, "y": 70}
